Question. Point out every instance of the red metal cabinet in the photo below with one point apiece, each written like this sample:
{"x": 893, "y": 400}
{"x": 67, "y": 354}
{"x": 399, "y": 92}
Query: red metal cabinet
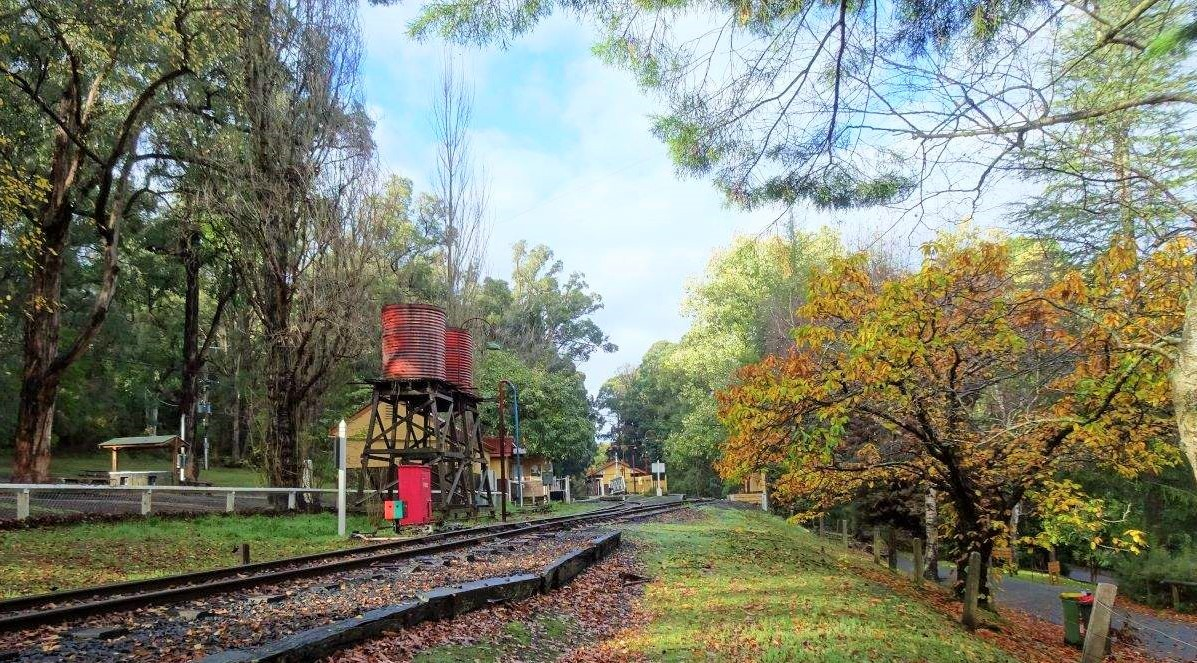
{"x": 415, "y": 489}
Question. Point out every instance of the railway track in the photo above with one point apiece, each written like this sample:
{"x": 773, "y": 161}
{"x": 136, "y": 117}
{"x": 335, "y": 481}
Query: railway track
{"x": 39, "y": 610}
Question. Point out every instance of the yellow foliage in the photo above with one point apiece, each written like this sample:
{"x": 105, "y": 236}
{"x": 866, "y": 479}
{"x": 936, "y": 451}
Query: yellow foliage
{"x": 981, "y": 374}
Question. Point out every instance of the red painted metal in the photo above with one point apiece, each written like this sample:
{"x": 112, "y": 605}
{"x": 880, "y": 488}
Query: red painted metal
{"x": 459, "y": 358}
{"x": 415, "y": 489}
{"x": 413, "y": 342}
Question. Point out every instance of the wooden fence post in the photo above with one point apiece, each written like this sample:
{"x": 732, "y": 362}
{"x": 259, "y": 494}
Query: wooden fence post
{"x": 1097, "y": 633}
{"x": 820, "y": 525}
{"x": 844, "y": 531}
{"x": 243, "y": 550}
{"x": 892, "y": 536}
{"x": 291, "y": 501}
{"x": 877, "y": 546}
{"x": 230, "y": 501}
{"x": 147, "y": 503}
{"x": 917, "y": 572}
{"x": 972, "y": 585}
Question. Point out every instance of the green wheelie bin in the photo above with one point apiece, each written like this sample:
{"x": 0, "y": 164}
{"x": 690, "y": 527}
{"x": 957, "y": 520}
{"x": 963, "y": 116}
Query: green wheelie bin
{"x": 1071, "y": 602}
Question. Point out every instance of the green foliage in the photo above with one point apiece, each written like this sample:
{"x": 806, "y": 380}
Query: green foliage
{"x": 1172, "y": 40}
{"x": 556, "y": 418}
{"x": 740, "y": 311}
{"x": 833, "y": 188}
{"x": 1140, "y": 577}
{"x": 543, "y": 315}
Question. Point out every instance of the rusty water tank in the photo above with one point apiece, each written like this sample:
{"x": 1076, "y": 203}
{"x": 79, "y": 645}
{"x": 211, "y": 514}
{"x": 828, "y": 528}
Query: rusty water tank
{"x": 459, "y": 358}
{"x": 413, "y": 342}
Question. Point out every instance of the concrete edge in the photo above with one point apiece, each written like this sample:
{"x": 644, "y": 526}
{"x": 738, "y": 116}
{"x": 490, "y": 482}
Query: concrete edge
{"x": 438, "y": 603}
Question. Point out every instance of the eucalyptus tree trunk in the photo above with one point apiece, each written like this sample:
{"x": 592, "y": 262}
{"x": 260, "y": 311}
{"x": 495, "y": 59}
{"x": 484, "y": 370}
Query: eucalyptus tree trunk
{"x": 1184, "y": 383}
{"x": 189, "y": 390}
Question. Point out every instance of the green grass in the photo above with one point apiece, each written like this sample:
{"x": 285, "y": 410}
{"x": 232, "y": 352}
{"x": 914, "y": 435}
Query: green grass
{"x": 741, "y": 585}
{"x": 71, "y": 465}
{"x": 42, "y": 559}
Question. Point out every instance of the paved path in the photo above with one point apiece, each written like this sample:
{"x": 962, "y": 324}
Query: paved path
{"x": 1164, "y": 638}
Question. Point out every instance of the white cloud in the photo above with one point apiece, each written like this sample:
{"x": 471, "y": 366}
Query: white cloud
{"x": 573, "y": 165}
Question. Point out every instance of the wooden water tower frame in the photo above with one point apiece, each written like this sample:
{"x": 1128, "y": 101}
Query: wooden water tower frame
{"x": 431, "y": 422}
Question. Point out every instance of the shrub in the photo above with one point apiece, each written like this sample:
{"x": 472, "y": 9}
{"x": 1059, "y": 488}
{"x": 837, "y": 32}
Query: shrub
{"x": 1140, "y": 576}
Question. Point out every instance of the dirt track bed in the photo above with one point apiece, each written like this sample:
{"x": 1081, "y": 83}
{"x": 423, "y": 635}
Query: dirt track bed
{"x": 563, "y": 625}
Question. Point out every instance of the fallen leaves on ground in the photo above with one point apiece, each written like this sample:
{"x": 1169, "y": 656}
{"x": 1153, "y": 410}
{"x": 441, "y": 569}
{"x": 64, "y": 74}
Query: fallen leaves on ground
{"x": 596, "y": 606}
{"x": 1025, "y": 636}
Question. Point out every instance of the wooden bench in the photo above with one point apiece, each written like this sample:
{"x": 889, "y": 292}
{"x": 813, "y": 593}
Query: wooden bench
{"x": 1175, "y": 586}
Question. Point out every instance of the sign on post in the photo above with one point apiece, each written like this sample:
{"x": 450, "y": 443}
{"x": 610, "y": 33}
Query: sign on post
{"x": 658, "y": 469}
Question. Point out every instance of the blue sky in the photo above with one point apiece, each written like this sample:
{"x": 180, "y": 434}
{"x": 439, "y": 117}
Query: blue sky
{"x": 566, "y": 146}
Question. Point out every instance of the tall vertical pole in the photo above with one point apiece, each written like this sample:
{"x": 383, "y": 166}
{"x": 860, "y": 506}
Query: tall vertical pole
{"x": 180, "y": 460}
{"x": 341, "y": 478}
{"x": 207, "y": 412}
{"x": 502, "y": 444}
{"x": 517, "y": 450}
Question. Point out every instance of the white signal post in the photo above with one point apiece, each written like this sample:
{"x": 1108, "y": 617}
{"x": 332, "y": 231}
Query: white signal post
{"x": 341, "y": 478}
{"x": 658, "y": 470}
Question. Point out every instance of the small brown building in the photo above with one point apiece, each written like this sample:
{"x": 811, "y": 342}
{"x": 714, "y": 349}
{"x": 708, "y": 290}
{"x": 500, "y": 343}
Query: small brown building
{"x": 533, "y": 466}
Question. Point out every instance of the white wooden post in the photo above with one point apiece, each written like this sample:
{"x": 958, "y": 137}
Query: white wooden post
{"x": 764, "y": 493}
{"x": 182, "y": 461}
{"x": 230, "y": 500}
{"x": 568, "y": 496}
{"x": 291, "y": 501}
{"x": 147, "y": 502}
{"x": 23, "y": 504}
{"x": 341, "y": 478}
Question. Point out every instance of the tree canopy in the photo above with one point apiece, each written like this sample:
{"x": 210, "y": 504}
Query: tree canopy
{"x": 983, "y": 374}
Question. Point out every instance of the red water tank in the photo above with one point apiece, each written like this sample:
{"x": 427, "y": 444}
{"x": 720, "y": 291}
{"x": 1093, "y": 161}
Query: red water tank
{"x": 415, "y": 490}
{"x": 459, "y": 358}
{"x": 413, "y": 342}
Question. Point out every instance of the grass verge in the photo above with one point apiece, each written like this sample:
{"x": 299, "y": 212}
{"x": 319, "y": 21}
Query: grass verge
{"x": 44, "y": 559}
{"x": 741, "y": 585}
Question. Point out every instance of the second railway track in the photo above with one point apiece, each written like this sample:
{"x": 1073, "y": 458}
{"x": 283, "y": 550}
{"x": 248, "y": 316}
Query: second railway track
{"x": 33, "y": 611}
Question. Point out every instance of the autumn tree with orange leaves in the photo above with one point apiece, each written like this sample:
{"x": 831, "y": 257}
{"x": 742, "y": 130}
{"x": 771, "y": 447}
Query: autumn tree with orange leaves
{"x": 984, "y": 375}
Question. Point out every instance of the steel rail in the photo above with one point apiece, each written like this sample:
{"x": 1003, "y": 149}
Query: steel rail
{"x": 235, "y": 578}
{"x": 24, "y": 603}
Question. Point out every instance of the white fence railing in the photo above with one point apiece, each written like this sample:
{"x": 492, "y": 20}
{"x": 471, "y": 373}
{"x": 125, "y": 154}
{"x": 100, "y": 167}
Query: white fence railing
{"x": 49, "y": 499}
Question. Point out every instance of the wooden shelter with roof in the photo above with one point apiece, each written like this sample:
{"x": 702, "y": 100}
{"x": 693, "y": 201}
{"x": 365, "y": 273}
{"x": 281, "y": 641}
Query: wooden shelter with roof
{"x": 142, "y": 442}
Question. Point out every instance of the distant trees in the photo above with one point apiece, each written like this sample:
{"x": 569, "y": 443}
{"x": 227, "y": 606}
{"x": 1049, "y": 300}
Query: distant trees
{"x": 298, "y": 189}
{"x": 542, "y": 314}
{"x": 921, "y": 105}
{"x": 982, "y": 375}
{"x": 220, "y": 161}
{"x": 556, "y": 417}
{"x": 742, "y": 310}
